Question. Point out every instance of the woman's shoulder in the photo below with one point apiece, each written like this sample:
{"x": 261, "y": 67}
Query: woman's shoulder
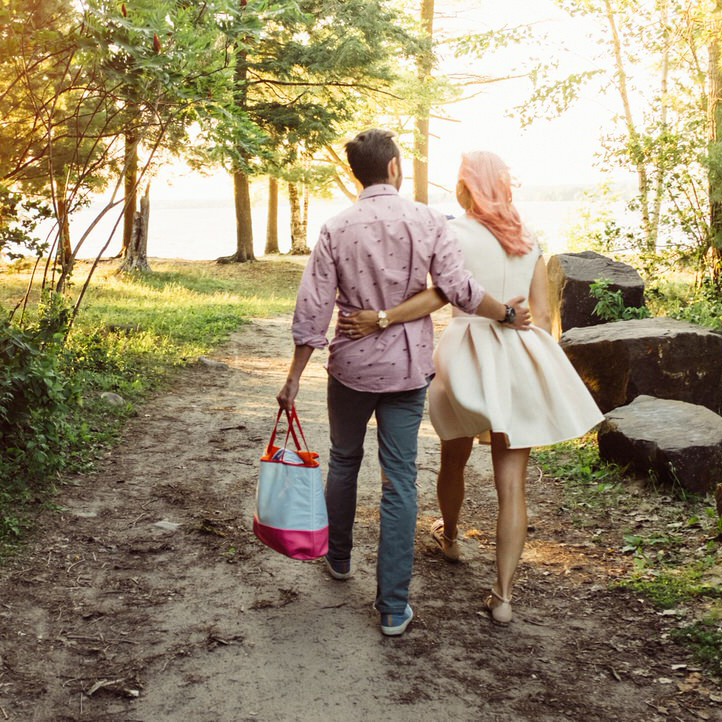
{"x": 467, "y": 226}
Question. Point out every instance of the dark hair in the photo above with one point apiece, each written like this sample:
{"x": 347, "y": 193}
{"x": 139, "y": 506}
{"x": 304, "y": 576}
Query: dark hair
{"x": 369, "y": 154}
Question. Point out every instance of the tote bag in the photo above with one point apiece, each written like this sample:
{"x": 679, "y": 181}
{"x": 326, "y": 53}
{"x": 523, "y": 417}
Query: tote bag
{"x": 291, "y": 513}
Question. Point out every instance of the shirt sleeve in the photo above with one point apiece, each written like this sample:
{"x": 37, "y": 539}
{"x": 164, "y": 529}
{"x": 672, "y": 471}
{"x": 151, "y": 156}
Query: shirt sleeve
{"x": 316, "y": 296}
{"x": 449, "y": 274}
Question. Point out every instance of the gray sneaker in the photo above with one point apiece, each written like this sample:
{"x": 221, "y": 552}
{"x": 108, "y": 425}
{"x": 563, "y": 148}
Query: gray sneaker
{"x": 339, "y": 570}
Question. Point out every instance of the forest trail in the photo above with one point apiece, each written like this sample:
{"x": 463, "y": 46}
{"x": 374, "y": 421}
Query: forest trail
{"x": 108, "y": 616}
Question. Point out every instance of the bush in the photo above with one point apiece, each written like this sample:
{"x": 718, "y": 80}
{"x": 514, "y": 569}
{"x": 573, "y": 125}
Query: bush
{"x": 685, "y": 301}
{"x": 610, "y": 305}
{"x": 36, "y": 401}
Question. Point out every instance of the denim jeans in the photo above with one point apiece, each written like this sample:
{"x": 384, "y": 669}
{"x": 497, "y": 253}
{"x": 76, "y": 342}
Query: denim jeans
{"x": 398, "y": 416}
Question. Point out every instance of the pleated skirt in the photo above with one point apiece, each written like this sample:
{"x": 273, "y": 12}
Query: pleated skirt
{"x": 519, "y": 383}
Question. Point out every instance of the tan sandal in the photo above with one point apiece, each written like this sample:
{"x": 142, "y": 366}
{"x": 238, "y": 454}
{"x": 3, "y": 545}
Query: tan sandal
{"x": 499, "y": 608}
{"x": 449, "y": 547}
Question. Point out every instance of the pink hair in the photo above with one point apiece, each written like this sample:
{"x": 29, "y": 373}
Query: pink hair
{"x": 488, "y": 182}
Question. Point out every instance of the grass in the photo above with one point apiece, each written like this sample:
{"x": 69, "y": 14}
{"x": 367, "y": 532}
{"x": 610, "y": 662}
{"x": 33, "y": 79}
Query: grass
{"x": 704, "y": 638}
{"x": 671, "y": 537}
{"x": 132, "y": 332}
{"x": 588, "y": 482}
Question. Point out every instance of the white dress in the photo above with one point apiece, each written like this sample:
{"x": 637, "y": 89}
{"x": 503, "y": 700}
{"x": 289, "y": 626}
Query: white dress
{"x": 490, "y": 377}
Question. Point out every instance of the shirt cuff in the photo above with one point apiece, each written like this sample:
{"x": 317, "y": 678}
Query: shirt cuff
{"x": 476, "y": 294}
{"x": 309, "y": 337}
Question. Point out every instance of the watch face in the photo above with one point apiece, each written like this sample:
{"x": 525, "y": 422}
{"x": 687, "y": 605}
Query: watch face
{"x": 383, "y": 322}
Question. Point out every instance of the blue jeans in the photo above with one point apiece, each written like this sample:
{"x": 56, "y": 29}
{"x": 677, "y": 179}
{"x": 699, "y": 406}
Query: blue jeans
{"x": 398, "y": 416}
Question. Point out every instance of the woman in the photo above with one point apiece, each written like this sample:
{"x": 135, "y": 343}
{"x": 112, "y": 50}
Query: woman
{"x": 512, "y": 389}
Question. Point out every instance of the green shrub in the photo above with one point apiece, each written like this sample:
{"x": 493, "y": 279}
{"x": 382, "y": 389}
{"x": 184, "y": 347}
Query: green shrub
{"x": 610, "y": 304}
{"x": 36, "y": 402}
{"x": 685, "y": 301}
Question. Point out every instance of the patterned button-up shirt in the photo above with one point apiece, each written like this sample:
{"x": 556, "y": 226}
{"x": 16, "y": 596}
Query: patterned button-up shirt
{"x": 374, "y": 255}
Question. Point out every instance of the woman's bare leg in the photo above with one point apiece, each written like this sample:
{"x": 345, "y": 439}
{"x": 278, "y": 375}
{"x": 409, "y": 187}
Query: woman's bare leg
{"x": 510, "y": 480}
{"x": 450, "y": 483}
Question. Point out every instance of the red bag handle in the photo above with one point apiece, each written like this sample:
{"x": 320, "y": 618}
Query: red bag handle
{"x": 291, "y": 417}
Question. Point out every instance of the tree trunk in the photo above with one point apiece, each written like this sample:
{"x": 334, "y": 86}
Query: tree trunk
{"x": 136, "y": 256}
{"x": 421, "y": 135}
{"x": 272, "y": 224}
{"x": 130, "y": 172}
{"x": 298, "y": 240}
{"x": 650, "y": 233}
{"x": 714, "y": 110}
{"x": 244, "y": 223}
{"x": 65, "y": 249}
{"x": 661, "y": 159}
{"x": 241, "y": 191}
{"x": 304, "y": 218}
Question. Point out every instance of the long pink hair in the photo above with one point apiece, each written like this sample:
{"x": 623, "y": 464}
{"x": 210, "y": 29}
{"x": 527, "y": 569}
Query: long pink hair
{"x": 484, "y": 191}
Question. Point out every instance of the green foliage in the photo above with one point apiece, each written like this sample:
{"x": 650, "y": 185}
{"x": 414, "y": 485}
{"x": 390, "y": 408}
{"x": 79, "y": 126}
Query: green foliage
{"x": 588, "y": 482}
{"x": 667, "y": 588}
{"x": 686, "y": 301}
{"x": 673, "y": 543}
{"x": 302, "y": 73}
{"x": 135, "y": 331}
{"x": 36, "y": 401}
{"x": 660, "y": 130}
{"x": 704, "y": 638}
{"x": 19, "y": 217}
{"x": 610, "y": 304}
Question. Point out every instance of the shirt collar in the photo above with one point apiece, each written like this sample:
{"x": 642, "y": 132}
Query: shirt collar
{"x": 378, "y": 189}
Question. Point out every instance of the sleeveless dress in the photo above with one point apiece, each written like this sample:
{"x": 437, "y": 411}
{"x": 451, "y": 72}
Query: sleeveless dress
{"x": 490, "y": 377}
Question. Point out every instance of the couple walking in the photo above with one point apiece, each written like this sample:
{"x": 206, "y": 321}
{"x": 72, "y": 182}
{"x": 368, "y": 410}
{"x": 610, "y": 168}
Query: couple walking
{"x": 496, "y": 376}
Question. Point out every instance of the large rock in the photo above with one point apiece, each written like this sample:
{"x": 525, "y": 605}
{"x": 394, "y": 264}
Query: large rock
{"x": 677, "y": 442}
{"x": 659, "y": 357}
{"x": 570, "y": 277}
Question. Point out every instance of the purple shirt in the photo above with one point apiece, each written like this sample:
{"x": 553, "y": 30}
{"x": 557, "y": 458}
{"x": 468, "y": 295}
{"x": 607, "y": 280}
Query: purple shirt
{"x": 375, "y": 255}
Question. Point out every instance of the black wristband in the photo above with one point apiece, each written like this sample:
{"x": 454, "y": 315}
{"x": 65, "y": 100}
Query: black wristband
{"x": 509, "y": 316}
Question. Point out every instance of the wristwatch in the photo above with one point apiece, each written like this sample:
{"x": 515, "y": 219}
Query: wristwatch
{"x": 509, "y": 316}
{"x": 382, "y": 320}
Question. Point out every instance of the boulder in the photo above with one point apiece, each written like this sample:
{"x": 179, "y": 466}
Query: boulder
{"x": 659, "y": 357}
{"x": 677, "y": 442}
{"x": 211, "y": 363}
{"x": 112, "y": 399}
{"x": 570, "y": 277}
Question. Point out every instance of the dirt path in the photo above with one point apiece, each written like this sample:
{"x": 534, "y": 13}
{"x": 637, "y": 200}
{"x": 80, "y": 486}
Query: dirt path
{"x": 111, "y": 617}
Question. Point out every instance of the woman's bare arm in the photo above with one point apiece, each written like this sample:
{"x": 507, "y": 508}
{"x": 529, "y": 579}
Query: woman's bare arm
{"x": 362, "y": 323}
{"x": 539, "y": 297}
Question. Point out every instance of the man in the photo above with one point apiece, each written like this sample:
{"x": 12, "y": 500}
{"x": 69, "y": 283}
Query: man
{"x": 375, "y": 255}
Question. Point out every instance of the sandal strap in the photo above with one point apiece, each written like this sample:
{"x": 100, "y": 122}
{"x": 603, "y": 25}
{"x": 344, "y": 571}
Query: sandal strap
{"x": 496, "y": 594}
{"x": 438, "y": 526}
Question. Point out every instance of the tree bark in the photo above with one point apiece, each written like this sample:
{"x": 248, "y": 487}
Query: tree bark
{"x": 304, "y": 217}
{"x": 298, "y": 240}
{"x": 130, "y": 172}
{"x": 272, "y": 224}
{"x": 65, "y": 249}
{"x": 714, "y": 117}
{"x": 244, "y": 223}
{"x": 136, "y": 256}
{"x": 241, "y": 190}
{"x": 650, "y": 233}
{"x": 661, "y": 160}
{"x": 421, "y": 135}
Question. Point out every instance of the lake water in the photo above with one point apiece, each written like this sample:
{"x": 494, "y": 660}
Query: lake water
{"x": 204, "y": 228}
